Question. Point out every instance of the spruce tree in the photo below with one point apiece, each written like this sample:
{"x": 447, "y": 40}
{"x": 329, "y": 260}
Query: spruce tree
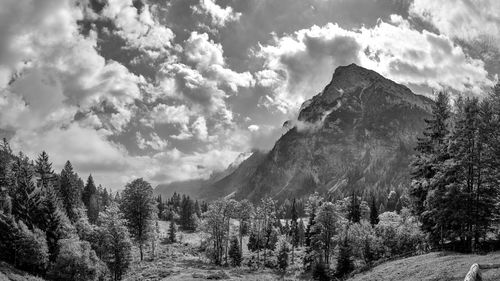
{"x": 235, "y": 255}
{"x": 26, "y": 201}
{"x": 431, "y": 153}
{"x": 117, "y": 244}
{"x": 354, "y": 212}
{"x": 282, "y": 255}
{"x": 172, "y": 232}
{"x": 90, "y": 200}
{"x": 344, "y": 261}
{"x": 69, "y": 192}
{"x": 43, "y": 169}
{"x": 373, "y": 212}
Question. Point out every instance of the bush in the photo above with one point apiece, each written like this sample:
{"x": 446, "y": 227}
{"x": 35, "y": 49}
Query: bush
{"x": 76, "y": 261}
{"x": 32, "y": 253}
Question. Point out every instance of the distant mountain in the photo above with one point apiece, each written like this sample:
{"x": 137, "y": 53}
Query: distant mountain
{"x": 201, "y": 188}
{"x": 358, "y": 133}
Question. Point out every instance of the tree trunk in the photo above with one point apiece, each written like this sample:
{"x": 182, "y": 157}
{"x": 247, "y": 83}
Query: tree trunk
{"x": 140, "y": 250}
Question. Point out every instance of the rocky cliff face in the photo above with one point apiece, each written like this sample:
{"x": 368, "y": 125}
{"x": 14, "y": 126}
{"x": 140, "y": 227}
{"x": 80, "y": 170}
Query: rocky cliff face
{"x": 358, "y": 133}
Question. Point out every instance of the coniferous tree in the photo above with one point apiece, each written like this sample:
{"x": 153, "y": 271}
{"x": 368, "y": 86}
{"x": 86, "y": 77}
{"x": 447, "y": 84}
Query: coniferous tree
{"x": 373, "y": 212}
{"x": 432, "y": 151}
{"x": 90, "y": 200}
{"x": 137, "y": 205}
{"x": 70, "y": 192}
{"x": 26, "y": 200}
{"x": 172, "y": 232}
{"x": 344, "y": 261}
{"x": 43, "y": 169}
{"x": 283, "y": 251}
{"x": 235, "y": 255}
{"x": 117, "y": 244}
{"x": 354, "y": 212}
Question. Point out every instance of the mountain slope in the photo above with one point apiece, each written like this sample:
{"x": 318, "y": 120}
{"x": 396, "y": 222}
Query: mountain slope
{"x": 358, "y": 133}
{"x": 219, "y": 184}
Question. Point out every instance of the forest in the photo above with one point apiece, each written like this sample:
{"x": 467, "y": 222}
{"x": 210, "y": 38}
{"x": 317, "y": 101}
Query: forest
{"x": 59, "y": 227}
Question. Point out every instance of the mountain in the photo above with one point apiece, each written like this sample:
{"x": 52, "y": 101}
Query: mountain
{"x": 358, "y": 133}
{"x": 201, "y": 188}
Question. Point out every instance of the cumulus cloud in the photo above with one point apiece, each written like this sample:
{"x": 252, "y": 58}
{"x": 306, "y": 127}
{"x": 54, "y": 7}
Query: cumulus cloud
{"x": 465, "y": 19}
{"x": 168, "y": 114}
{"x": 204, "y": 79}
{"x": 298, "y": 65}
{"x": 200, "y": 128}
{"x": 219, "y": 16}
{"x": 139, "y": 27}
{"x": 155, "y": 142}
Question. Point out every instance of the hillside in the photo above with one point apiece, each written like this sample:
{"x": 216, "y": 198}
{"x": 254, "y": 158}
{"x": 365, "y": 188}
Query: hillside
{"x": 9, "y": 273}
{"x": 358, "y": 133}
{"x": 433, "y": 266}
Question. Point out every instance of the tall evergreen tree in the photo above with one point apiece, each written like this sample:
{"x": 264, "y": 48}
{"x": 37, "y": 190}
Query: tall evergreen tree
{"x": 118, "y": 246}
{"x": 70, "y": 192}
{"x": 26, "y": 199}
{"x": 430, "y": 148}
{"x": 235, "y": 255}
{"x": 172, "y": 232}
{"x": 90, "y": 200}
{"x": 373, "y": 212}
{"x": 43, "y": 169}
{"x": 354, "y": 210}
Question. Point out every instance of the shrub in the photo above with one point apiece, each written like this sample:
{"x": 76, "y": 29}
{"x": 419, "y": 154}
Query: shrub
{"x": 76, "y": 261}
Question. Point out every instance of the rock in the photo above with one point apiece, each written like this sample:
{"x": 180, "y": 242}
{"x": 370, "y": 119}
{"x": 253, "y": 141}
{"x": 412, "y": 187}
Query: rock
{"x": 219, "y": 275}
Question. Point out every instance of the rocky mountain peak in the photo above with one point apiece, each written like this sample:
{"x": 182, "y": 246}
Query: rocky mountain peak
{"x": 355, "y": 88}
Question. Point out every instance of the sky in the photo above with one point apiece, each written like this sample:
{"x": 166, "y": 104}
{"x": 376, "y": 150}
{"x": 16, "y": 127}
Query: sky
{"x": 174, "y": 90}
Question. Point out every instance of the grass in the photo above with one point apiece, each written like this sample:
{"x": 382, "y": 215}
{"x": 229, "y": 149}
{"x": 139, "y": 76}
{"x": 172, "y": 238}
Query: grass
{"x": 431, "y": 267}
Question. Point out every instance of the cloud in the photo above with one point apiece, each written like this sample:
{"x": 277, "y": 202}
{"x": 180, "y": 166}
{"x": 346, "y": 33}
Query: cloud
{"x": 168, "y": 114}
{"x": 464, "y": 19}
{"x": 155, "y": 142}
{"x": 253, "y": 128}
{"x": 200, "y": 128}
{"x": 297, "y": 66}
{"x": 219, "y": 16}
{"x": 141, "y": 30}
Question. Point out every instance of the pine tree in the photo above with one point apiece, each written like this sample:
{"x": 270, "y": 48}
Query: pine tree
{"x": 373, "y": 212}
{"x": 354, "y": 214}
{"x": 117, "y": 244}
{"x": 56, "y": 223}
{"x": 70, "y": 192}
{"x": 432, "y": 152}
{"x": 294, "y": 229}
{"x": 344, "y": 261}
{"x": 25, "y": 198}
{"x": 235, "y": 256}
{"x": 44, "y": 170}
{"x": 282, "y": 255}
{"x": 137, "y": 205}
{"x": 90, "y": 200}
{"x": 172, "y": 231}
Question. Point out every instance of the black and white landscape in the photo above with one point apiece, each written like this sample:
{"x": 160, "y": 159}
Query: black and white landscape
{"x": 249, "y": 140}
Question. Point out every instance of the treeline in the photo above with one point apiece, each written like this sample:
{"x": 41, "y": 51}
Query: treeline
{"x": 332, "y": 239}
{"x": 56, "y": 226}
{"x": 455, "y": 187}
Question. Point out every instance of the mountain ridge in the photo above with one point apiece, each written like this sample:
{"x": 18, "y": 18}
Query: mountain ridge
{"x": 356, "y": 134}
